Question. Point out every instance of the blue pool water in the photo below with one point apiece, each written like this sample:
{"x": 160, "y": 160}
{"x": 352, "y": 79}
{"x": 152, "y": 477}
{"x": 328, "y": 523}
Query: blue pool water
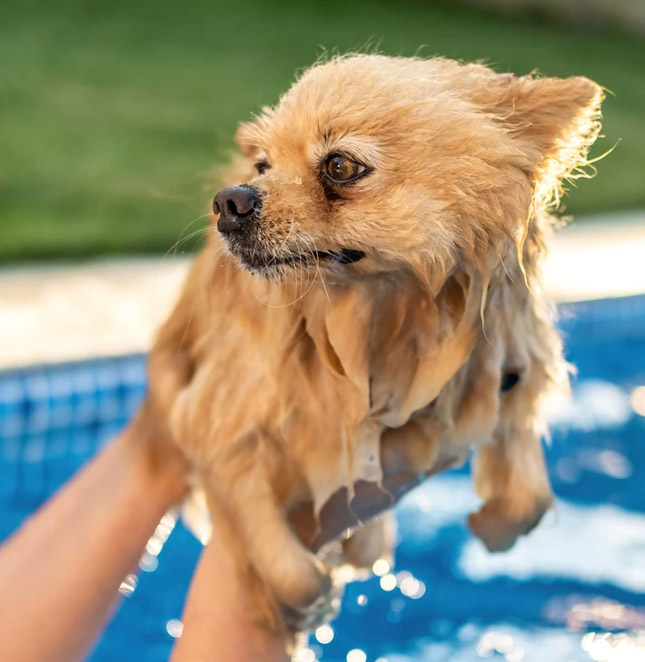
{"x": 571, "y": 592}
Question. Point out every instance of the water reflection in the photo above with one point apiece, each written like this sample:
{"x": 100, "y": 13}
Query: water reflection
{"x": 580, "y": 613}
{"x": 621, "y": 647}
{"x": 594, "y": 403}
{"x": 637, "y": 400}
{"x": 149, "y": 561}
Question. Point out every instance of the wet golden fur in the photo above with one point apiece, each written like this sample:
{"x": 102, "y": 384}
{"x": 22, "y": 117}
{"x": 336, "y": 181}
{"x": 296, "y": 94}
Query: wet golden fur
{"x": 284, "y": 385}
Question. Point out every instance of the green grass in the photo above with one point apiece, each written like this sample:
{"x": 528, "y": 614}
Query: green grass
{"x": 114, "y": 114}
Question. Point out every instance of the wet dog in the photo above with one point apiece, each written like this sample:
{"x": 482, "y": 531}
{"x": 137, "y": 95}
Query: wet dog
{"x": 369, "y": 297}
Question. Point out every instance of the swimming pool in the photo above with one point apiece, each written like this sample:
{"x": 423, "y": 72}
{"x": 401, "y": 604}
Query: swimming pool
{"x": 573, "y": 591}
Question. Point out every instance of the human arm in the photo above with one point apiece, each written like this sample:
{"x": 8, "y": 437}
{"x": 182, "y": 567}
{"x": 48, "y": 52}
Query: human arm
{"x": 217, "y": 623}
{"x": 61, "y": 571}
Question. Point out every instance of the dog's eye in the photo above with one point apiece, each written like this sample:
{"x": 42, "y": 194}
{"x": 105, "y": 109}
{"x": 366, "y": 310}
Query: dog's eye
{"x": 341, "y": 169}
{"x": 262, "y": 166}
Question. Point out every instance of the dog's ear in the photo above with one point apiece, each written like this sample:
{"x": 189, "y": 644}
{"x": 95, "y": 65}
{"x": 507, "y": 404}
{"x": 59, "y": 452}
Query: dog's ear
{"x": 245, "y": 138}
{"x": 548, "y": 111}
{"x": 553, "y": 120}
{"x": 248, "y": 134}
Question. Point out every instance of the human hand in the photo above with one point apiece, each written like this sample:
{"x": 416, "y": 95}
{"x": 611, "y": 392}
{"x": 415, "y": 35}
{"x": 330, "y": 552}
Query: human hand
{"x": 218, "y": 628}
{"x": 343, "y": 514}
{"x": 352, "y": 518}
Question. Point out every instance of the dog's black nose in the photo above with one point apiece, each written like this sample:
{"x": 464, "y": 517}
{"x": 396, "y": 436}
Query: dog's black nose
{"x": 235, "y": 205}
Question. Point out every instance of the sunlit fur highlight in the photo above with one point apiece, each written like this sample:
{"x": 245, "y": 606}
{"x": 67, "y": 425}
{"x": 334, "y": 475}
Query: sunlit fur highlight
{"x": 286, "y": 385}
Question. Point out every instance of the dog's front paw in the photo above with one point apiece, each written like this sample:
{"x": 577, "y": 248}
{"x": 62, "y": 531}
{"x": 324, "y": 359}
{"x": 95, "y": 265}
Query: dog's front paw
{"x": 498, "y": 527}
{"x": 324, "y": 609}
{"x": 299, "y": 581}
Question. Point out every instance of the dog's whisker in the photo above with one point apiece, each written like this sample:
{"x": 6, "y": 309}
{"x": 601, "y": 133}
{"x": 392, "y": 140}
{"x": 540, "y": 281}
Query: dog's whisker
{"x": 310, "y": 243}
{"x": 324, "y": 285}
{"x": 319, "y": 271}
{"x": 286, "y": 239}
{"x": 182, "y": 239}
{"x": 180, "y": 242}
{"x": 302, "y": 288}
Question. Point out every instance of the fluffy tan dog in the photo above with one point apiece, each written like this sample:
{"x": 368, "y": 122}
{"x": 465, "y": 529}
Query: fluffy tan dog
{"x": 371, "y": 297}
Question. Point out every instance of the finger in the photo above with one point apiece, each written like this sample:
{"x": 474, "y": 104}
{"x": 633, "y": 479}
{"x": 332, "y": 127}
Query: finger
{"x": 343, "y": 512}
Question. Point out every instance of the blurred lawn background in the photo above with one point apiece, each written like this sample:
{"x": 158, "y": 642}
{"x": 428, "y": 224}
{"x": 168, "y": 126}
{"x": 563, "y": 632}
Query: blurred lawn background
{"x": 114, "y": 115}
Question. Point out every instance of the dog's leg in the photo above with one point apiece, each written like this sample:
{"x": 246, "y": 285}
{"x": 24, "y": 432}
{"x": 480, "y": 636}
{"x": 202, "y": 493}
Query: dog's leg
{"x": 511, "y": 478}
{"x": 370, "y": 543}
{"x": 294, "y": 575}
{"x": 509, "y": 472}
{"x": 262, "y": 603}
{"x": 292, "y": 572}
{"x": 411, "y": 450}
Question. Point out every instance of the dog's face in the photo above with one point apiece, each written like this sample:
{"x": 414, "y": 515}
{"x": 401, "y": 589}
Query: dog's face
{"x": 374, "y": 164}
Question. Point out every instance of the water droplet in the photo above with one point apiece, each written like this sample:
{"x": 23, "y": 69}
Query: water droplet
{"x": 637, "y": 399}
{"x": 128, "y": 585}
{"x": 148, "y": 562}
{"x": 324, "y": 634}
{"x": 381, "y": 567}
{"x": 356, "y": 655}
{"x": 388, "y": 582}
{"x": 174, "y": 628}
{"x": 305, "y": 655}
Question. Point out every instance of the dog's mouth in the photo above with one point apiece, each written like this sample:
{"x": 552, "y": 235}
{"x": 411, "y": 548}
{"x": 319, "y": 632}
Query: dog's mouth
{"x": 259, "y": 261}
{"x": 343, "y": 256}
